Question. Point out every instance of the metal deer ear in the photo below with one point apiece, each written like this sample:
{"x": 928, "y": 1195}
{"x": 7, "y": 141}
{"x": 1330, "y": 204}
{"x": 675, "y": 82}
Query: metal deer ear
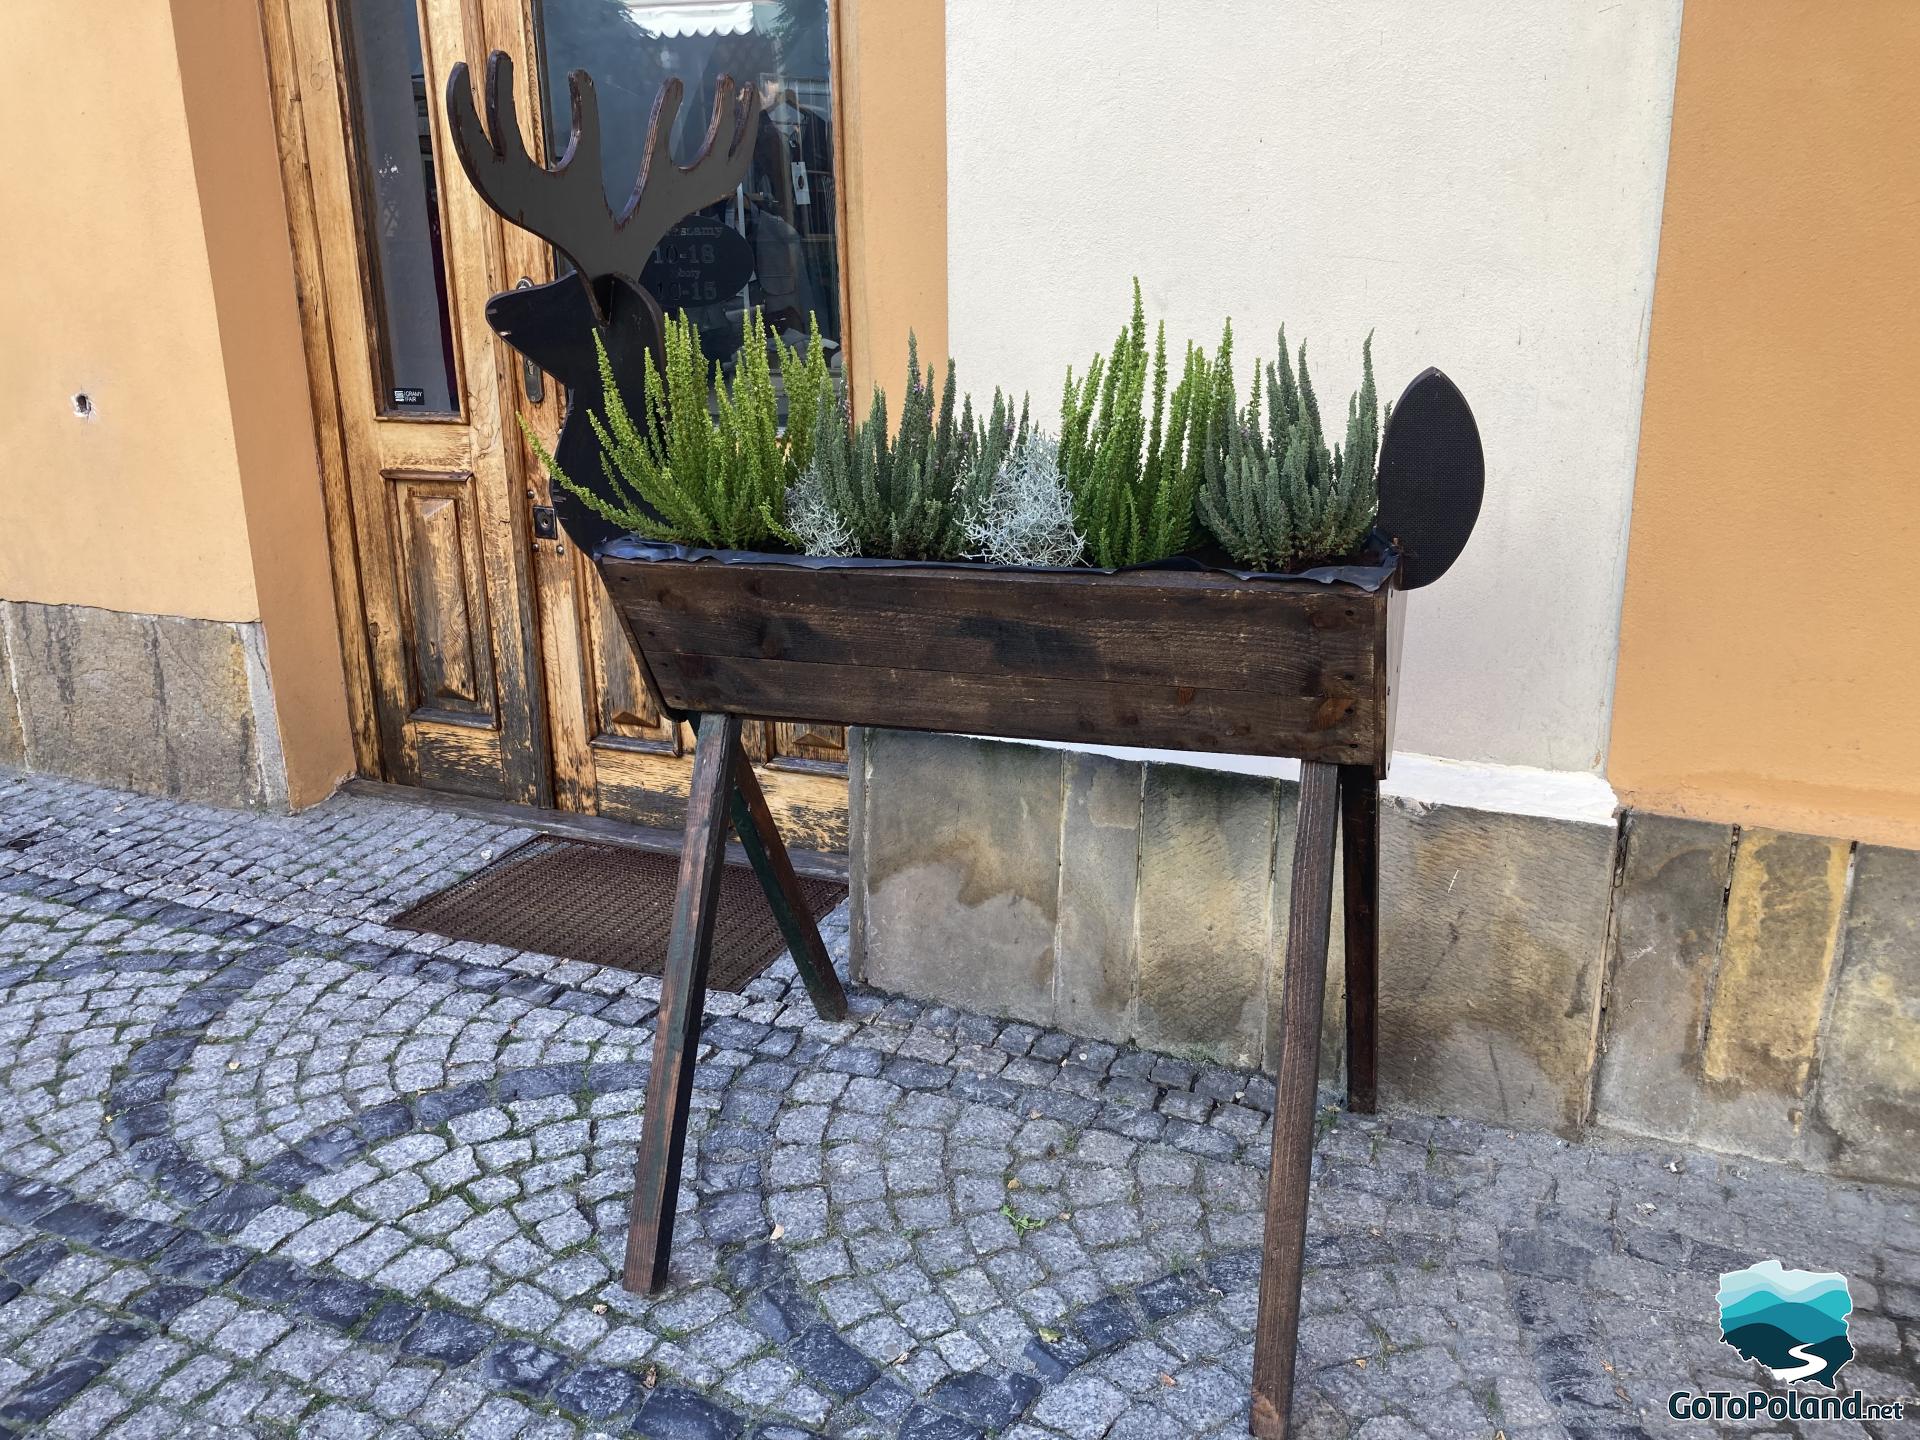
{"x": 1432, "y": 476}
{"x": 566, "y": 203}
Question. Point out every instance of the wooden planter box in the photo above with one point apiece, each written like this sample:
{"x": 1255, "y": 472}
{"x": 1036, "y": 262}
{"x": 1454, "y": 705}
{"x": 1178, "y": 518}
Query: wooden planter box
{"x": 1170, "y": 659}
{"x": 1164, "y": 658}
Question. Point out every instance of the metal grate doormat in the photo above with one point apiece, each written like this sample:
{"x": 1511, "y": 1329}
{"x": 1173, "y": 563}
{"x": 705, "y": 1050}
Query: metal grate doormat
{"x": 610, "y": 905}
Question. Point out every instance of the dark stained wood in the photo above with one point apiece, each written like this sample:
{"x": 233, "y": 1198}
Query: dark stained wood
{"x": 1126, "y": 627}
{"x": 1304, "y": 987}
{"x": 767, "y": 853}
{"x": 1036, "y": 707}
{"x": 683, "y": 992}
{"x": 1170, "y": 659}
{"x": 1360, "y": 872}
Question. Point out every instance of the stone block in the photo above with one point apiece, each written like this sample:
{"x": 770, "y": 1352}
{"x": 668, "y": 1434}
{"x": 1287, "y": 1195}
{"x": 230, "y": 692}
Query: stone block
{"x": 13, "y": 750}
{"x": 1784, "y": 905}
{"x": 962, "y": 870}
{"x": 1492, "y": 939}
{"x": 1206, "y": 912}
{"x": 1666, "y": 942}
{"x": 1869, "y": 1081}
{"x": 1097, "y": 968}
{"x": 1333, "y": 1026}
{"x": 158, "y": 703}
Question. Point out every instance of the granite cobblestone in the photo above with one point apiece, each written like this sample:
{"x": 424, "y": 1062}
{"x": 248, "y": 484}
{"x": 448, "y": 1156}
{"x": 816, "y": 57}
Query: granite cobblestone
{"x": 269, "y": 1165}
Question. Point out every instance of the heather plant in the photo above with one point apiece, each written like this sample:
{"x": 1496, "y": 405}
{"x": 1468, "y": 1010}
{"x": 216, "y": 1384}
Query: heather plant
{"x": 1133, "y": 474}
{"x": 698, "y": 471}
{"x": 905, "y": 495}
{"x": 1273, "y": 494}
{"x": 1027, "y": 516}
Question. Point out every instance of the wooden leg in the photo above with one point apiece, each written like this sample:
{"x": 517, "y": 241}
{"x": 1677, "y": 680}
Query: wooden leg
{"x": 683, "y": 993}
{"x": 1360, "y": 864}
{"x": 760, "y": 838}
{"x": 1305, "y": 983}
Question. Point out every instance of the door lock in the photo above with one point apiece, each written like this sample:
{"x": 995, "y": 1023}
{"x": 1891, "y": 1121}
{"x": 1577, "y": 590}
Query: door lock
{"x": 545, "y": 525}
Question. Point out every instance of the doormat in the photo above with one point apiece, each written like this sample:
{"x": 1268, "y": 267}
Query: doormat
{"x": 609, "y": 905}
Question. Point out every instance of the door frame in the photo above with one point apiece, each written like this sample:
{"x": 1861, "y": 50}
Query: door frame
{"x": 288, "y": 103}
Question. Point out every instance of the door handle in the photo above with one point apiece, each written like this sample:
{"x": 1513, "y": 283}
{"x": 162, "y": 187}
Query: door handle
{"x": 531, "y": 378}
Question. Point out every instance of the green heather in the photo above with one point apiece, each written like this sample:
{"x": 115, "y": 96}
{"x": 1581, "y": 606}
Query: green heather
{"x": 699, "y": 473}
{"x": 1142, "y": 455}
{"x": 910, "y": 495}
{"x": 1133, "y": 474}
{"x": 1274, "y": 495}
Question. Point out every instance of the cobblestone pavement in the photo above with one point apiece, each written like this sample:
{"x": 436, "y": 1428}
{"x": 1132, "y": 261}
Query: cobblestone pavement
{"x": 270, "y": 1167}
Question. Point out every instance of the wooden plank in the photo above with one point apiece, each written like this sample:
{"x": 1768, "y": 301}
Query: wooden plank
{"x": 1360, "y": 873}
{"x": 1265, "y": 636}
{"x": 284, "y": 84}
{"x": 324, "y": 110}
{"x": 767, "y": 853}
{"x": 1278, "y": 1325}
{"x": 683, "y": 989}
{"x": 1335, "y": 727}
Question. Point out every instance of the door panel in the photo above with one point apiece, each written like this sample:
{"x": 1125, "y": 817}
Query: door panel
{"x": 443, "y": 598}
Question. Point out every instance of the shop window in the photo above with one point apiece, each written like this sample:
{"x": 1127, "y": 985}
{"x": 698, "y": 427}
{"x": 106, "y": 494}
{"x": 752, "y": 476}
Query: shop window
{"x": 400, "y": 211}
{"x": 773, "y": 244}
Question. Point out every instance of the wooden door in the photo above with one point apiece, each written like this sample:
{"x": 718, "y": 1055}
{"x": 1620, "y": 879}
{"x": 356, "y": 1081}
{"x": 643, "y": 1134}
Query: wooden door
{"x": 408, "y": 255}
{"x": 486, "y": 659}
{"x": 613, "y": 753}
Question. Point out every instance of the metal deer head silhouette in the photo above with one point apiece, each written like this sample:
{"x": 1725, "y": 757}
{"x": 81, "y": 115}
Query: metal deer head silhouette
{"x": 565, "y": 204}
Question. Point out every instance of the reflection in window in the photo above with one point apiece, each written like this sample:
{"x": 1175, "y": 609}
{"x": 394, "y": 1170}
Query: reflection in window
{"x": 785, "y": 258}
{"x": 400, "y": 209}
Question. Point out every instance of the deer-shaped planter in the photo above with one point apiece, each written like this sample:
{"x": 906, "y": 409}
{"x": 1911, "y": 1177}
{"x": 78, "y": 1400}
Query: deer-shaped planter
{"x": 1192, "y": 659}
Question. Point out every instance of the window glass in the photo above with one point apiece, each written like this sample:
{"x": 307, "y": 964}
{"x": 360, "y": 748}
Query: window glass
{"x": 779, "y": 250}
{"x": 400, "y": 209}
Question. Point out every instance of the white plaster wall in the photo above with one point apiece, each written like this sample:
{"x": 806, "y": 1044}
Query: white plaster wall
{"x": 1478, "y": 181}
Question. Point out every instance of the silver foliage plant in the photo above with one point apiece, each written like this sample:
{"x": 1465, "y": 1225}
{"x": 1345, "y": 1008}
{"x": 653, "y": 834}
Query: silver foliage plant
{"x": 1026, "y": 517}
{"x": 814, "y": 526}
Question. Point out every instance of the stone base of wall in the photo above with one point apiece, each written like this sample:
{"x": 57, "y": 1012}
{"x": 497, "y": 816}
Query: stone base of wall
{"x": 1748, "y": 991}
{"x": 156, "y": 703}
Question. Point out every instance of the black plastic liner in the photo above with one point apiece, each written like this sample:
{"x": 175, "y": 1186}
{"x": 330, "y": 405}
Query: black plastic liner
{"x": 1374, "y": 569}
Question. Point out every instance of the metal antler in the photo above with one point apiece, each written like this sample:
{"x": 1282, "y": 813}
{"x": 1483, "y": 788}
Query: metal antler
{"x": 566, "y": 204}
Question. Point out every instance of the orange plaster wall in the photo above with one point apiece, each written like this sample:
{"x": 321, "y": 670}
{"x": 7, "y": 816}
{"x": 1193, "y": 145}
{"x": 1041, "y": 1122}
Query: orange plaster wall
{"x": 223, "y": 76}
{"x": 1769, "y": 667}
{"x": 105, "y": 290}
{"x": 892, "y": 74}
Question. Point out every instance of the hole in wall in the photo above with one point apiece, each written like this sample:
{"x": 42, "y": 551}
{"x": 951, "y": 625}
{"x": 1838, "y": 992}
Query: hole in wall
{"x": 83, "y": 405}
